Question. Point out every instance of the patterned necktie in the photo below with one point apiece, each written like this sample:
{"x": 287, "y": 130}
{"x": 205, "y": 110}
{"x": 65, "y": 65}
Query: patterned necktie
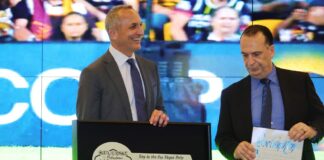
{"x": 138, "y": 91}
{"x": 266, "y": 104}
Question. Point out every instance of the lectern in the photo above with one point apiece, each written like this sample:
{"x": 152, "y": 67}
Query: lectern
{"x": 99, "y": 140}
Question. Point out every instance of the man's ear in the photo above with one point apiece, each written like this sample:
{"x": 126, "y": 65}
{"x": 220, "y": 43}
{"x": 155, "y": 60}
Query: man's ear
{"x": 272, "y": 50}
{"x": 112, "y": 34}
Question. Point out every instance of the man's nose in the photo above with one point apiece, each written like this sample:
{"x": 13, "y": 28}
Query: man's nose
{"x": 140, "y": 30}
{"x": 250, "y": 60}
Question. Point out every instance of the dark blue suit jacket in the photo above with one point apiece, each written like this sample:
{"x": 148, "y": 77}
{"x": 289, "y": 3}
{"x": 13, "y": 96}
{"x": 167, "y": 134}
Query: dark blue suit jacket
{"x": 301, "y": 104}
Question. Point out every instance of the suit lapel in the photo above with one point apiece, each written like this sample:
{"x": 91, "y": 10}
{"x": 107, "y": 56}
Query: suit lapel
{"x": 284, "y": 89}
{"x": 246, "y": 113}
{"x": 115, "y": 75}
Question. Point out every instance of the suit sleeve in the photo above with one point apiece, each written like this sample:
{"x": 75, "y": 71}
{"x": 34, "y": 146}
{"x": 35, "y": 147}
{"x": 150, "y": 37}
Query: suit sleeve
{"x": 317, "y": 110}
{"x": 159, "y": 98}
{"x": 225, "y": 137}
{"x": 89, "y": 96}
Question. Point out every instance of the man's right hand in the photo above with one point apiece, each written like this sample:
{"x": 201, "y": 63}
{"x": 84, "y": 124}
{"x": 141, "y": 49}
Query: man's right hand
{"x": 159, "y": 118}
{"x": 244, "y": 151}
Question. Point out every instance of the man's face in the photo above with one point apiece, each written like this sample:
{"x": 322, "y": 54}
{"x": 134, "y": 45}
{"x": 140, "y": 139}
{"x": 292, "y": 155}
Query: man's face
{"x": 126, "y": 36}
{"x": 73, "y": 27}
{"x": 226, "y": 21}
{"x": 257, "y": 55}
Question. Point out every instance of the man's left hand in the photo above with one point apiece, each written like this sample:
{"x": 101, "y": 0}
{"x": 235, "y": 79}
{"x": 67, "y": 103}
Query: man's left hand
{"x": 159, "y": 118}
{"x": 301, "y": 131}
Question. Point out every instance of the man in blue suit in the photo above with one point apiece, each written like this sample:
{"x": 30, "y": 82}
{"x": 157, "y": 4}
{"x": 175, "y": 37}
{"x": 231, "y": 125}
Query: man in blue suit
{"x": 295, "y": 107}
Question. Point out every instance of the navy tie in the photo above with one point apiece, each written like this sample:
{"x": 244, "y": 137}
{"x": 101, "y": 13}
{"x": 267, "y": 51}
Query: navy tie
{"x": 138, "y": 91}
{"x": 266, "y": 104}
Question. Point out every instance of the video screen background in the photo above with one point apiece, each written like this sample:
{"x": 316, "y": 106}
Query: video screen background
{"x": 43, "y": 79}
{"x": 41, "y": 75}
{"x": 165, "y": 20}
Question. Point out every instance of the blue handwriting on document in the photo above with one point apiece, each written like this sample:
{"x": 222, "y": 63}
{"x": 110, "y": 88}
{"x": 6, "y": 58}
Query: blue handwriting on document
{"x": 284, "y": 146}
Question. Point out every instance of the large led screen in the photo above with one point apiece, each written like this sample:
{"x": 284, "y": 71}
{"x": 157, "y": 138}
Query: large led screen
{"x": 39, "y": 83}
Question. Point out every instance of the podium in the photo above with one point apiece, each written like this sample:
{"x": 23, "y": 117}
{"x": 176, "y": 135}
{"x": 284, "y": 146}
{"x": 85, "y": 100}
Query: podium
{"x": 99, "y": 140}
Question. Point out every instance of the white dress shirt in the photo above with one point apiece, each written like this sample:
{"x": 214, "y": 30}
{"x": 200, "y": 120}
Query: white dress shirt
{"x": 124, "y": 68}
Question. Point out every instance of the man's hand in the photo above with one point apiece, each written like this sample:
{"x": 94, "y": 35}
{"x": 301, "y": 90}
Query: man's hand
{"x": 244, "y": 151}
{"x": 301, "y": 131}
{"x": 159, "y": 118}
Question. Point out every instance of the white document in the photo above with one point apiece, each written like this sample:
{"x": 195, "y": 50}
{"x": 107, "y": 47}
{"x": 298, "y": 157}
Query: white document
{"x": 271, "y": 144}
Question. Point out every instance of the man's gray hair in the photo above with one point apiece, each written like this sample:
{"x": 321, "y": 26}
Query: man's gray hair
{"x": 113, "y": 17}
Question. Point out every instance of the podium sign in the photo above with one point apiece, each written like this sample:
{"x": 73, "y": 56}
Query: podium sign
{"x": 94, "y": 140}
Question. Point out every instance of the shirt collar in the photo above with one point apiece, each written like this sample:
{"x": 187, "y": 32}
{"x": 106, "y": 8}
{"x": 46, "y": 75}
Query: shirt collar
{"x": 273, "y": 75}
{"x": 119, "y": 57}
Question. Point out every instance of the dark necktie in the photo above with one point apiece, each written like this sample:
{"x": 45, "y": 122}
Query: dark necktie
{"x": 266, "y": 104}
{"x": 138, "y": 91}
